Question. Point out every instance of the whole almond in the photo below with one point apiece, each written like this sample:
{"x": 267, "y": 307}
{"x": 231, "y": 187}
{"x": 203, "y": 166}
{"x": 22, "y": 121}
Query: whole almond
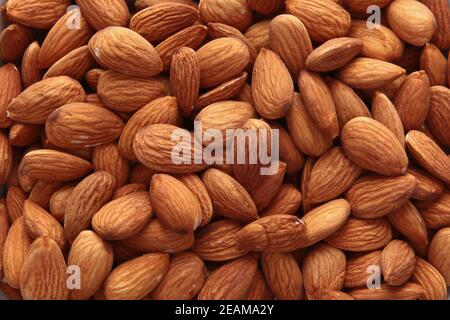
{"x": 439, "y": 9}
{"x": 127, "y": 189}
{"x": 430, "y": 279}
{"x": 42, "y": 191}
{"x": 437, "y": 121}
{"x": 258, "y": 34}
{"x": 268, "y": 186}
{"x": 361, "y": 5}
{"x": 136, "y": 278}
{"x": 235, "y": 13}
{"x": 58, "y": 201}
{"x": 74, "y": 64}
{"x": 6, "y": 158}
{"x": 15, "y": 199}
{"x": 14, "y": 39}
{"x": 22, "y": 135}
{"x": 398, "y": 261}
{"x": 436, "y": 214}
{"x": 287, "y": 201}
{"x": 409, "y": 291}
{"x": 123, "y": 50}
{"x": 428, "y": 188}
{"x": 30, "y": 65}
{"x": 116, "y": 15}
{"x": 107, "y": 157}
{"x": 37, "y": 15}
{"x": 259, "y": 290}
{"x": 357, "y": 271}
{"x": 92, "y": 76}
{"x": 435, "y": 65}
{"x": 438, "y": 253}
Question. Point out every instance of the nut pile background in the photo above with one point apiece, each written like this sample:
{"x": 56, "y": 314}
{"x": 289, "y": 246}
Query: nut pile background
{"x": 88, "y": 104}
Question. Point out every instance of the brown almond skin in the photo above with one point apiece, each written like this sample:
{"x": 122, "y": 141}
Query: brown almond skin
{"x": 30, "y": 65}
{"x": 11, "y": 87}
{"x": 287, "y": 201}
{"x": 14, "y": 40}
{"x": 362, "y": 235}
{"x": 184, "y": 279}
{"x": 323, "y": 269}
{"x": 372, "y": 196}
{"x": 276, "y": 233}
{"x": 4, "y": 229}
{"x": 75, "y": 64}
{"x": 235, "y": 13}
{"x": 258, "y": 34}
{"x": 94, "y": 257}
{"x": 22, "y": 135}
{"x": 398, "y": 261}
{"x": 6, "y": 158}
{"x": 438, "y": 254}
{"x": 95, "y": 14}
{"x": 85, "y": 200}
{"x": 333, "y": 174}
{"x": 113, "y": 221}
{"x": 136, "y": 278}
{"x": 231, "y": 281}
{"x": 15, "y": 198}
{"x": 127, "y": 189}
{"x": 430, "y": 279}
{"x": 409, "y": 291}
{"x": 42, "y": 191}
{"x": 107, "y": 157}
{"x": 428, "y": 188}
{"x": 283, "y": 275}
{"x": 333, "y": 54}
{"x": 356, "y": 269}
{"x": 58, "y": 201}
{"x": 290, "y": 40}
{"x": 428, "y": 154}
{"x": 92, "y": 76}
{"x": 436, "y": 214}
{"x": 265, "y": 7}
{"x": 319, "y": 102}
{"x": 175, "y": 204}
{"x": 259, "y": 290}
{"x": 435, "y": 65}
{"x": 439, "y": 9}
{"x": 437, "y": 121}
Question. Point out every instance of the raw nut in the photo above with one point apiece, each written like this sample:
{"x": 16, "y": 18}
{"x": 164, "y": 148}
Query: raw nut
{"x": 136, "y": 278}
{"x": 160, "y": 111}
{"x": 372, "y": 197}
{"x": 42, "y": 191}
{"x": 332, "y": 175}
{"x": 383, "y": 111}
{"x": 40, "y": 223}
{"x": 288, "y": 152}
{"x": 324, "y": 19}
{"x": 58, "y": 201}
{"x": 409, "y": 291}
{"x": 92, "y": 76}
{"x": 14, "y": 250}
{"x": 231, "y": 281}
{"x": 408, "y": 221}
{"x": 333, "y": 54}
{"x": 229, "y": 198}
{"x": 153, "y": 147}
{"x": 290, "y": 40}
{"x": 30, "y": 65}
{"x": 105, "y": 13}
{"x": 361, "y": 235}
{"x": 6, "y": 158}
{"x": 358, "y": 271}
{"x": 94, "y": 257}
{"x": 372, "y": 146}
{"x": 221, "y": 60}
{"x": 218, "y": 241}
{"x": 323, "y": 269}
{"x": 175, "y": 205}
{"x": 157, "y": 238}
{"x": 15, "y": 198}
{"x": 283, "y": 275}
{"x": 438, "y": 254}
{"x": 85, "y": 200}
{"x": 275, "y": 233}
{"x": 428, "y": 188}
{"x": 377, "y": 43}
{"x": 235, "y": 13}
{"x": 4, "y": 229}
{"x": 82, "y": 125}
{"x": 268, "y": 185}
{"x": 413, "y": 100}
{"x": 124, "y": 217}
{"x": 435, "y": 65}
{"x": 52, "y": 165}
{"x": 324, "y": 221}
{"x": 428, "y": 154}
{"x": 75, "y": 64}
{"x": 14, "y": 39}
{"x": 127, "y": 189}
{"x": 430, "y": 279}
{"x": 287, "y": 201}
{"x": 184, "y": 279}
{"x": 436, "y": 214}
{"x": 22, "y": 135}
{"x": 368, "y": 73}
{"x": 185, "y": 79}
{"x": 43, "y": 274}
{"x": 319, "y": 102}
{"x": 398, "y": 261}
{"x": 107, "y": 157}
{"x": 160, "y": 21}
{"x": 438, "y": 121}
{"x": 40, "y": 15}
{"x": 304, "y": 133}
{"x": 360, "y": 6}
{"x": 124, "y": 93}
{"x": 36, "y": 102}
{"x": 258, "y": 34}
{"x": 125, "y": 51}
{"x": 259, "y": 290}
{"x": 141, "y": 174}
{"x": 400, "y": 13}
{"x": 66, "y": 35}
{"x": 439, "y": 8}
{"x": 266, "y": 7}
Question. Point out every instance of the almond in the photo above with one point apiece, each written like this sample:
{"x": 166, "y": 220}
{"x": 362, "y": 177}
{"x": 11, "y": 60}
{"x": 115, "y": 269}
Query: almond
{"x": 324, "y": 19}
{"x": 265, "y": 6}
{"x": 268, "y": 186}
{"x": 221, "y": 60}
{"x": 184, "y": 279}
{"x": 58, "y": 201}
{"x": 92, "y": 76}
{"x": 435, "y": 65}
{"x": 428, "y": 154}
{"x": 372, "y": 197}
{"x": 438, "y": 254}
{"x": 259, "y": 290}
{"x": 4, "y": 229}
{"x": 15, "y": 199}
{"x": 357, "y": 272}
{"x": 283, "y": 275}
{"x": 175, "y": 204}
{"x": 288, "y": 152}
{"x": 333, "y": 54}
{"x": 105, "y": 13}
{"x": 107, "y": 157}
{"x": 127, "y": 189}
{"x": 437, "y": 121}
{"x": 42, "y": 191}
{"x": 141, "y": 174}
{"x": 22, "y": 135}
{"x": 430, "y": 280}
{"x": 136, "y": 278}
{"x": 64, "y": 37}
{"x": 160, "y": 21}
{"x": 398, "y": 261}
{"x": 157, "y": 238}
{"x": 142, "y": 4}
{"x": 85, "y": 200}
{"x": 6, "y": 158}
{"x": 75, "y": 64}
{"x": 43, "y": 274}
{"x": 439, "y": 9}
{"x": 428, "y": 188}
{"x": 79, "y": 125}
{"x": 124, "y": 217}
{"x": 42, "y": 15}
{"x": 409, "y": 291}
{"x": 361, "y": 235}
{"x": 235, "y": 13}
{"x": 368, "y": 73}
{"x": 123, "y": 50}
{"x": 287, "y": 201}
{"x": 436, "y": 214}
{"x": 361, "y": 5}
{"x": 30, "y": 65}
{"x": 323, "y": 269}
{"x": 36, "y": 102}
{"x": 94, "y": 257}
{"x": 258, "y": 34}
{"x": 14, "y": 39}
{"x": 401, "y": 12}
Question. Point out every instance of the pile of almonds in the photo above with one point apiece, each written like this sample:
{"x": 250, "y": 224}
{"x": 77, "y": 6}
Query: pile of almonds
{"x": 96, "y": 208}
